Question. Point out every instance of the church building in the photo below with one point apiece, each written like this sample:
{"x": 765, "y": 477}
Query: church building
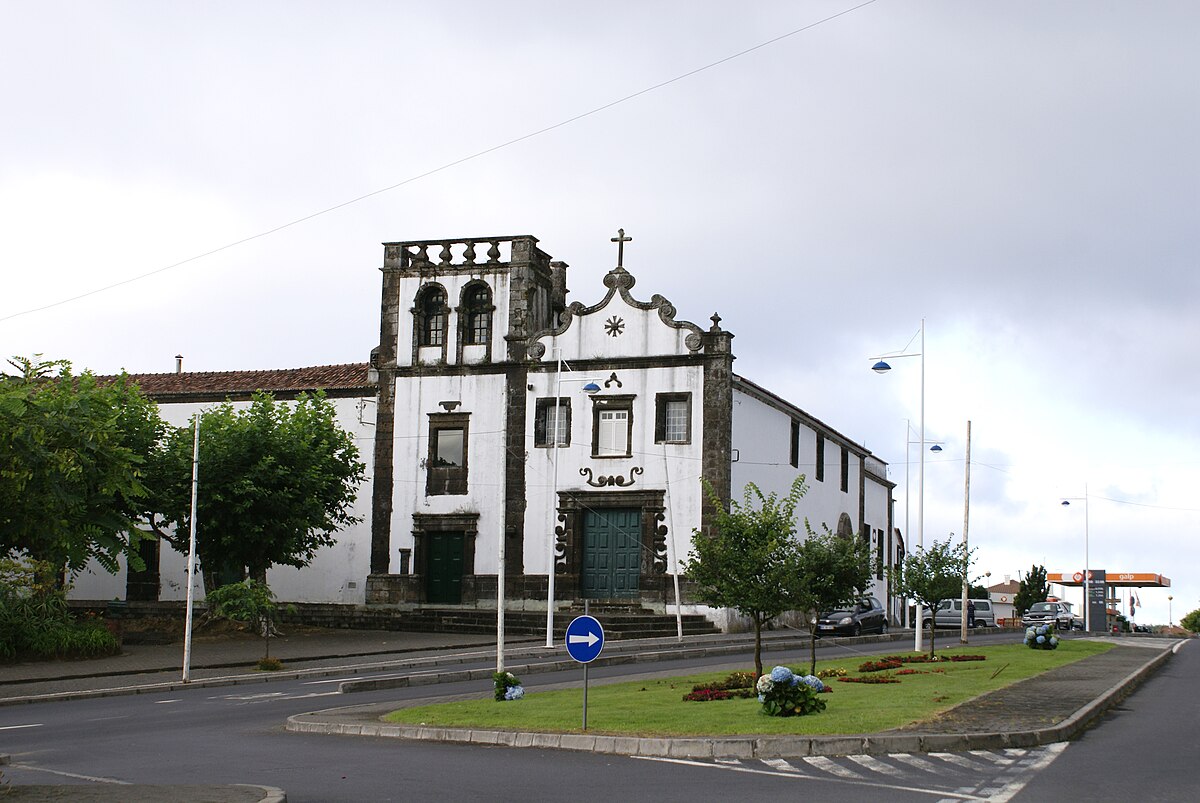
{"x": 562, "y": 443}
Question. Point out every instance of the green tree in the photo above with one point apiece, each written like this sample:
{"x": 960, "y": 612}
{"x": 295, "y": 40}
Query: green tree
{"x": 251, "y": 602}
{"x": 930, "y": 575}
{"x": 1033, "y": 588}
{"x": 751, "y": 562}
{"x": 1191, "y": 621}
{"x": 831, "y": 572}
{"x": 72, "y": 455}
{"x": 277, "y": 481}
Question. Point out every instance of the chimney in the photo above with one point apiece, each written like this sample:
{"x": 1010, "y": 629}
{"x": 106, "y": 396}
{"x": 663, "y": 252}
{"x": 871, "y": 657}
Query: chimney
{"x": 179, "y": 363}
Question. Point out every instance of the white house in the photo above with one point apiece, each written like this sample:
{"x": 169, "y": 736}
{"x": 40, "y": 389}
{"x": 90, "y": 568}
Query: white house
{"x": 494, "y": 410}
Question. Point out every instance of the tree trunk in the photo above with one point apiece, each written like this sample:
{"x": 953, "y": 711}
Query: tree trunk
{"x": 757, "y": 648}
{"x": 812, "y": 648}
{"x": 932, "y": 630}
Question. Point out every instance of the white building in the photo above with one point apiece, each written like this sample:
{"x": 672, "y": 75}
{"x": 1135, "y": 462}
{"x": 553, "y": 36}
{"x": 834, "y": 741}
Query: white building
{"x": 493, "y": 409}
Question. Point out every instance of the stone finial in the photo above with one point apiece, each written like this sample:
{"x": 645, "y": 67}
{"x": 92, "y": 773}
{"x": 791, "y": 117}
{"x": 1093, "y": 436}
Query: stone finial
{"x": 716, "y": 319}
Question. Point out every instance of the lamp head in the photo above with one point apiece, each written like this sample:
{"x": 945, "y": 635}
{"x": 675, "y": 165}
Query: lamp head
{"x": 935, "y": 448}
{"x": 590, "y": 388}
{"x": 881, "y": 367}
{"x": 1066, "y": 503}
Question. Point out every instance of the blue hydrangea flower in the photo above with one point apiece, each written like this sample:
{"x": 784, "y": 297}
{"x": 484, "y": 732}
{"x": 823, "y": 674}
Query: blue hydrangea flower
{"x": 765, "y": 684}
{"x": 514, "y": 692}
{"x": 1041, "y": 639}
{"x": 814, "y": 682}
{"x": 1041, "y": 631}
{"x": 781, "y": 674}
{"x": 1053, "y": 641}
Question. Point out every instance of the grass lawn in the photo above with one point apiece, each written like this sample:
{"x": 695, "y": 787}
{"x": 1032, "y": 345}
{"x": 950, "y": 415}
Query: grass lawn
{"x": 656, "y": 708}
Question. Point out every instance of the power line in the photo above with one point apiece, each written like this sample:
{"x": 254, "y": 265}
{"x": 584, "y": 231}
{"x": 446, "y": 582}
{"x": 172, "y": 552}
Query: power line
{"x": 446, "y": 166}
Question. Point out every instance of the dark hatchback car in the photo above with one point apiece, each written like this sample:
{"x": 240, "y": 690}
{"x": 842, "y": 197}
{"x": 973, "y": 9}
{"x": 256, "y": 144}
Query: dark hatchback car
{"x": 865, "y": 616}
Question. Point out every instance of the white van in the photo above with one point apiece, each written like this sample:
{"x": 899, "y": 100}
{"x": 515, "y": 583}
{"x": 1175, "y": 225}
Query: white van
{"x": 949, "y": 614}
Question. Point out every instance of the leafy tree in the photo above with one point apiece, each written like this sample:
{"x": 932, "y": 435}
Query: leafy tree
{"x": 1033, "y": 588}
{"x": 277, "y": 481}
{"x": 831, "y": 572}
{"x": 979, "y": 592}
{"x": 72, "y": 455}
{"x": 1191, "y": 621}
{"x": 251, "y": 602}
{"x": 752, "y": 561}
{"x": 930, "y": 575}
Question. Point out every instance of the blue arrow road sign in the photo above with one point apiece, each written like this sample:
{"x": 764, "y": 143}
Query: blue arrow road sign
{"x": 585, "y": 639}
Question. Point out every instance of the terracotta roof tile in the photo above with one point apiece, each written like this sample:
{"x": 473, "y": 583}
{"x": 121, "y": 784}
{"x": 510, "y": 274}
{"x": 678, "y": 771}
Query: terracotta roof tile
{"x": 331, "y": 378}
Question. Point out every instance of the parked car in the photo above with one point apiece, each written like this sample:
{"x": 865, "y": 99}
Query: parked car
{"x": 1049, "y": 613}
{"x": 865, "y": 616}
{"x": 949, "y": 614}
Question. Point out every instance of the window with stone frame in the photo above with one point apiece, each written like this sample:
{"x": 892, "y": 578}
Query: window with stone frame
{"x": 794, "y": 458}
{"x": 673, "y": 418}
{"x": 446, "y": 463}
{"x": 549, "y": 418}
{"x": 477, "y": 303}
{"x": 432, "y": 315}
{"x": 612, "y": 426}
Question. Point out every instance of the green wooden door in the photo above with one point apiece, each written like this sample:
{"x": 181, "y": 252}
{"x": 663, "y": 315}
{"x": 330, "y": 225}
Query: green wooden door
{"x": 611, "y": 552}
{"x": 444, "y": 568}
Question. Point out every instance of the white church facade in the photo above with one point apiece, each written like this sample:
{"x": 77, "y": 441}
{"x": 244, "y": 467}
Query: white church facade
{"x": 501, "y": 423}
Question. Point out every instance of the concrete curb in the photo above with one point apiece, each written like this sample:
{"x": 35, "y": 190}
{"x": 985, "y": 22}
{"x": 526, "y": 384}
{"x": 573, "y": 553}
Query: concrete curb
{"x": 336, "y": 721}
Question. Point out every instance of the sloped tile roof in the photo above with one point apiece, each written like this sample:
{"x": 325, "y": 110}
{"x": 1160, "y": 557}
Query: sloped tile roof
{"x": 341, "y": 380}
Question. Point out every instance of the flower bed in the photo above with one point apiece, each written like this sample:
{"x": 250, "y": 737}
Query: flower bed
{"x": 785, "y": 694}
{"x": 879, "y": 666}
{"x": 737, "y": 685}
{"x": 869, "y": 679}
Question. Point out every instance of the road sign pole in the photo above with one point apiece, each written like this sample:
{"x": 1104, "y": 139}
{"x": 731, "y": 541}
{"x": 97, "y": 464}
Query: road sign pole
{"x": 585, "y": 685}
{"x": 584, "y": 640}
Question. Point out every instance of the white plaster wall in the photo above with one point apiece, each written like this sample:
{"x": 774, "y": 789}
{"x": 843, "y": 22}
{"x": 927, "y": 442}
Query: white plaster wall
{"x": 762, "y": 436}
{"x": 336, "y": 573}
{"x": 482, "y": 397}
{"x": 673, "y": 468}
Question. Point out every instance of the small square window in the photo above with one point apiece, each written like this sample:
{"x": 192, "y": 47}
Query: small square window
{"x": 673, "y": 418}
{"x": 612, "y": 426}
{"x": 549, "y": 419}
{"x": 446, "y": 463}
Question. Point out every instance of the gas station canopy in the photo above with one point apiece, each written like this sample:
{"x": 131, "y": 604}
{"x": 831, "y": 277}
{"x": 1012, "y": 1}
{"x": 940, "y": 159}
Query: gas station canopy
{"x": 1123, "y": 579}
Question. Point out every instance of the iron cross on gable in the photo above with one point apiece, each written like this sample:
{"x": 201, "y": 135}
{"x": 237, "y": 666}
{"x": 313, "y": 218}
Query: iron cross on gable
{"x": 620, "y": 240}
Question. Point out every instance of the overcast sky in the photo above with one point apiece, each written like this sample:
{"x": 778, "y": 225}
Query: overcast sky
{"x": 1022, "y": 175}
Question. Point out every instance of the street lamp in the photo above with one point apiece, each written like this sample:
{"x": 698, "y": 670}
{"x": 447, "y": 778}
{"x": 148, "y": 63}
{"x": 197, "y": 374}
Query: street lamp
{"x": 1087, "y": 572}
{"x": 1170, "y": 616}
{"x": 908, "y": 442}
{"x": 881, "y": 367}
{"x": 556, "y": 438}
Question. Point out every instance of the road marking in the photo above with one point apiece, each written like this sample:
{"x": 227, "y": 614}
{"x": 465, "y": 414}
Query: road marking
{"x": 875, "y": 765}
{"x": 952, "y": 797}
{"x": 163, "y": 702}
{"x": 831, "y": 766}
{"x": 264, "y": 695}
{"x": 728, "y": 760}
{"x": 920, "y": 763}
{"x": 332, "y": 680}
{"x": 94, "y": 778}
{"x": 781, "y": 764}
{"x": 954, "y": 758}
{"x": 1052, "y": 751}
{"x": 18, "y": 727}
{"x": 992, "y": 757}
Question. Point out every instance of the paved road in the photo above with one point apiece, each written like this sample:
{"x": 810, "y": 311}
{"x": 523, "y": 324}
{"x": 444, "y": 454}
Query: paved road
{"x": 229, "y": 735}
{"x": 1146, "y": 749}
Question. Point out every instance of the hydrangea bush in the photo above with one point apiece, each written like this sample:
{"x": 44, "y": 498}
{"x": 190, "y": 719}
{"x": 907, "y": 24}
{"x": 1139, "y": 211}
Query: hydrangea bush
{"x": 786, "y": 694}
{"x": 508, "y": 687}
{"x": 1041, "y": 637}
